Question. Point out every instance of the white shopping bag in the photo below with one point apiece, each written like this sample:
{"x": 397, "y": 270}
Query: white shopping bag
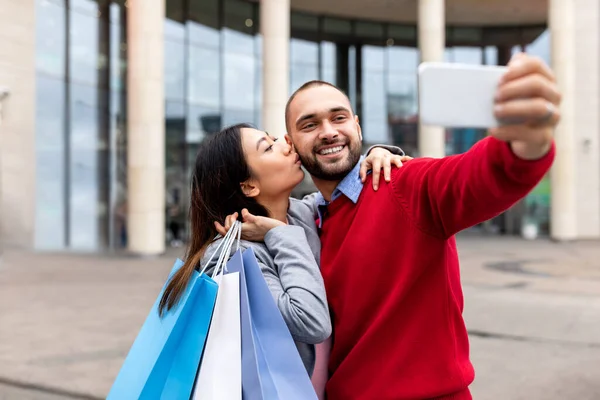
{"x": 220, "y": 373}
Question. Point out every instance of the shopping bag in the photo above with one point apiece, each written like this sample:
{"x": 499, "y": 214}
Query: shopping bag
{"x": 254, "y": 386}
{"x": 163, "y": 360}
{"x": 220, "y": 372}
{"x": 279, "y": 367}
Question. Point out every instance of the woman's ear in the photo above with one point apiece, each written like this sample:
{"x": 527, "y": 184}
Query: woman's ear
{"x": 249, "y": 188}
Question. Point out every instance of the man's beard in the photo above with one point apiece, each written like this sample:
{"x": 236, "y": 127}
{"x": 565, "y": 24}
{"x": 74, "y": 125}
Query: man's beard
{"x": 331, "y": 172}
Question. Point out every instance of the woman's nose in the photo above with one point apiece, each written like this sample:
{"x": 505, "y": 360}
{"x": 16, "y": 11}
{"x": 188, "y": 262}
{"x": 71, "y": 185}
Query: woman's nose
{"x": 287, "y": 149}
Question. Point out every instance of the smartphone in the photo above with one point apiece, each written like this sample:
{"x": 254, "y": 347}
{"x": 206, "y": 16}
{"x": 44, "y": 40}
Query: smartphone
{"x": 458, "y": 95}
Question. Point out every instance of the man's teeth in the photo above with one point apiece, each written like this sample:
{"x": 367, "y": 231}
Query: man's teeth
{"x": 331, "y": 150}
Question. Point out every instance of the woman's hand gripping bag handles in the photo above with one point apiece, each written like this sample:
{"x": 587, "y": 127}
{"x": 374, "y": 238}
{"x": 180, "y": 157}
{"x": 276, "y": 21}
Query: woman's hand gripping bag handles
{"x": 164, "y": 358}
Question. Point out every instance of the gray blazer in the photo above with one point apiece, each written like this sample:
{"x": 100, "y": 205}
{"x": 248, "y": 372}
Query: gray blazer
{"x": 289, "y": 260}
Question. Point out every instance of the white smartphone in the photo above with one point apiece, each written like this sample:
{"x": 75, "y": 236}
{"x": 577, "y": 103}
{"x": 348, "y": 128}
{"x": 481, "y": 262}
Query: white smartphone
{"x": 458, "y": 95}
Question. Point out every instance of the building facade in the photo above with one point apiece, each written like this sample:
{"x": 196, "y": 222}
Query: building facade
{"x": 107, "y": 101}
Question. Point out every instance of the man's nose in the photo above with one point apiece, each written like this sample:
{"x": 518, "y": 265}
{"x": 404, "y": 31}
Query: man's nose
{"x": 328, "y": 132}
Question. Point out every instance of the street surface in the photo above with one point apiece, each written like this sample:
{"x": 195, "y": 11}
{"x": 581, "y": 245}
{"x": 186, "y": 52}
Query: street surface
{"x": 532, "y": 310}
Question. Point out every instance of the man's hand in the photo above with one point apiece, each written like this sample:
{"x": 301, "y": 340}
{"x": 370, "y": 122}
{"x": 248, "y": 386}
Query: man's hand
{"x": 528, "y": 100}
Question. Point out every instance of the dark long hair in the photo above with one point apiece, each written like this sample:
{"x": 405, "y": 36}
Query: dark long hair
{"x": 215, "y": 193}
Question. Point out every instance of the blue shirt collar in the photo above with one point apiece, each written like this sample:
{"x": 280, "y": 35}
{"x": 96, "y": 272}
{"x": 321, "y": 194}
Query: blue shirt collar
{"x": 351, "y": 187}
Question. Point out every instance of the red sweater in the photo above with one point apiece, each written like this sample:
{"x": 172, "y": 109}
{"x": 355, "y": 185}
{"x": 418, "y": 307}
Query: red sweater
{"x": 391, "y": 271}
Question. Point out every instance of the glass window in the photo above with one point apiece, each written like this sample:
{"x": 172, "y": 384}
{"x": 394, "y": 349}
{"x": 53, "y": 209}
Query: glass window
{"x": 337, "y": 26}
{"x": 259, "y": 80}
{"x": 118, "y": 49}
{"x": 174, "y": 60}
{"x": 50, "y": 125}
{"x": 84, "y": 35}
{"x": 402, "y": 103}
{"x": 491, "y": 55}
{"x": 85, "y": 206}
{"x": 328, "y": 62}
{"x": 466, "y": 55}
{"x": 50, "y": 37}
{"x": 402, "y": 33}
{"x": 304, "y": 22}
{"x": 541, "y": 47}
{"x": 204, "y": 12}
{"x": 304, "y": 60}
{"x": 204, "y": 73}
{"x": 368, "y": 30}
{"x": 239, "y": 63}
{"x": 50, "y": 188}
{"x": 374, "y": 102}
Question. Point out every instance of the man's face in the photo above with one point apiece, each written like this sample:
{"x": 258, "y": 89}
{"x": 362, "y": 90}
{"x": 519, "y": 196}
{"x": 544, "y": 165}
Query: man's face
{"x": 325, "y": 132}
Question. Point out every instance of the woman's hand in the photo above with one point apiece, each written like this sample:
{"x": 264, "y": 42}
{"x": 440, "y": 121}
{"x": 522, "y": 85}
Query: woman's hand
{"x": 254, "y": 228}
{"x": 377, "y": 160}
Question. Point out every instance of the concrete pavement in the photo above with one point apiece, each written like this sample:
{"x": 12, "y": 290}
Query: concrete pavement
{"x": 532, "y": 308}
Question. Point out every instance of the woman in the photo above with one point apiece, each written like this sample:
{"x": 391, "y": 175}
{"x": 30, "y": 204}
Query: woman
{"x": 241, "y": 168}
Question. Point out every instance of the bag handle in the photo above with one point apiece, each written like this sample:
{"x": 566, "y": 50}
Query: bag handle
{"x": 235, "y": 231}
{"x": 226, "y": 241}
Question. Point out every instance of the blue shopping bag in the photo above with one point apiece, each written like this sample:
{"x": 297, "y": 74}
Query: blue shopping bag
{"x": 271, "y": 365}
{"x": 163, "y": 361}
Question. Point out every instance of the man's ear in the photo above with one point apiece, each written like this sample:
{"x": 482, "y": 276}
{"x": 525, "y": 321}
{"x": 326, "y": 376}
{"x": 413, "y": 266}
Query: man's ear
{"x": 358, "y": 128}
{"x": 249, "y": 188}
{"x": 288, "y": 139}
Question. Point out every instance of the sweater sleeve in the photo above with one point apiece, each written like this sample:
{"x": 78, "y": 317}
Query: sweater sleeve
{"x": 297, "y": 285}
{"x": 446, "y": 195}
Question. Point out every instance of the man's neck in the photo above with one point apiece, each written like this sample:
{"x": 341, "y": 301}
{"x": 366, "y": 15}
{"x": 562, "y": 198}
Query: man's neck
{"x": 325, "y": 187}
{"x": 277, "y": 207}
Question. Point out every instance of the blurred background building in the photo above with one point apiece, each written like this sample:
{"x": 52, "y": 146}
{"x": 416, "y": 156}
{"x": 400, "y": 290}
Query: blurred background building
{"x": 108, "y": 100}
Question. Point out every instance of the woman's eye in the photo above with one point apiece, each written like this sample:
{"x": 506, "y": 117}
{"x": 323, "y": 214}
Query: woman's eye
{"x": 269, "y": 148}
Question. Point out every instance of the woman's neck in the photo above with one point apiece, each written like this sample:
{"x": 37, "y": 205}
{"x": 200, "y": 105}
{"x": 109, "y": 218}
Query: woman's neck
{"x": 278, "y": 207}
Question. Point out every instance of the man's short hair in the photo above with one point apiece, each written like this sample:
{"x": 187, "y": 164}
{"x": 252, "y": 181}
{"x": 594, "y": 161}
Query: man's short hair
{"x": 307, "y": 85}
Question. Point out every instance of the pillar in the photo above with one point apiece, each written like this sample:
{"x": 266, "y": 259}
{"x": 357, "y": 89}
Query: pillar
{"x": 432, "y": 43}
{"x": 275, "y": 30}
{"x": 563, "y": 179}
{"x": 145, "y": 127}
{"x": 17, "y": 124}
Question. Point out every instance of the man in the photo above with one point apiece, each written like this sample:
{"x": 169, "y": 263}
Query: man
{"x": 389, "y": 258}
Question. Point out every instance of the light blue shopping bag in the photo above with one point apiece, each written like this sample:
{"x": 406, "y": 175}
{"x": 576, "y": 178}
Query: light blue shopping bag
{"x": 163, "y": 361}
{"x": 271, "y": 365}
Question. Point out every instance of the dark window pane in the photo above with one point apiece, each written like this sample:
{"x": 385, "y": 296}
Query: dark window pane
{"x": 304, "y": 22}
{"x": 204, "y": 12}
{"x": 339, "y": 26}
{"x": 369, "y": 30}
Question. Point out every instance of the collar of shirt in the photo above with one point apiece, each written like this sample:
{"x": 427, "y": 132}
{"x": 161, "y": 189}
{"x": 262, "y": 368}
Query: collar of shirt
{"x": 350, "y": 186}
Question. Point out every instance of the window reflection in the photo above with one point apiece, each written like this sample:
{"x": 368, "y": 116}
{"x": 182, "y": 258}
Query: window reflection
{"x": 84, "y": 164}
{"x": 374, "y": 95}
{"x": 50, "y": 37}
{"x": 50, "y": 188}
{"x": 328, "y": 62}
{"x": 50, "y": 125}
{"x": 402, "y": 63}
{"x": 304, "y": 62}
{"x": 238, "y": 68}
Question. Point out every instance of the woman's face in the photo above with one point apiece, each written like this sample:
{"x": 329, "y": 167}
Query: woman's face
{"x": 275, "y": 167}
